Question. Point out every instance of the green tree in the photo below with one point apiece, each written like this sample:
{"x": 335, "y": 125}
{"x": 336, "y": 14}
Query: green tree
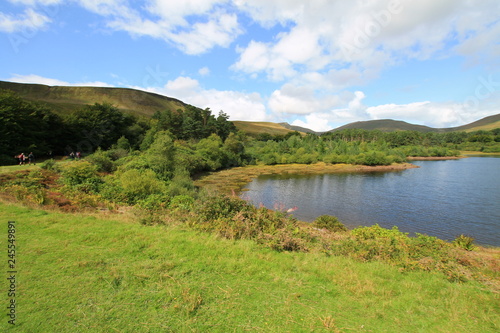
{"x": 161, "y": 155}
{"x": 211, "y": 151}
{"x": 98, "y": 125}
{"x": 224, "y": 126}
{"x": 26, "y": 127}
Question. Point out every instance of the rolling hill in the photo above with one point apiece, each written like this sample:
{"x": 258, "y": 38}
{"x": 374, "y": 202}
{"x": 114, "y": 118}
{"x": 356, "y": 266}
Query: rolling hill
{"x": 63, "y": 99}
{"x": 485, "y": 124}
{"x": 255, "y": 128}
{"x": 389, "y": 125}
{"x": 67, "y": 99}
{"x": 385, "y": 125}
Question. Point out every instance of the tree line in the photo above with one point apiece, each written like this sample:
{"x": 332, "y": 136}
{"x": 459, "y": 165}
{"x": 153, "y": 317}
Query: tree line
{"x": 27, "y": 126}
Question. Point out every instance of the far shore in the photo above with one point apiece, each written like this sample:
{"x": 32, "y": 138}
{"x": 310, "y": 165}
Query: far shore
{"x": 434, "y": 158}
{"x": 233, "y": 180}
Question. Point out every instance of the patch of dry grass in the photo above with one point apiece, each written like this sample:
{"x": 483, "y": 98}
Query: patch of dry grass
{"x": 233, "y": 180}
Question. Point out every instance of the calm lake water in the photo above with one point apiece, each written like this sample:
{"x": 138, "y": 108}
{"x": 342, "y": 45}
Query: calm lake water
{"x": 441, "y": 198}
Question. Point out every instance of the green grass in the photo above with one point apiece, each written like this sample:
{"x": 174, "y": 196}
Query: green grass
{"x": 12, "y": 168}
{"x": 89, "y": 274}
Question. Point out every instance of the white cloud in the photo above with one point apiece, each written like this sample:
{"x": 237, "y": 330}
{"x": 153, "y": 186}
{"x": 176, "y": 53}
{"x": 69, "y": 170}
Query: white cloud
{"x": 193, "y": 26}
{"x": 202, "y": 36}
{"x": 27, "y": 22}
{"x": 182, "y": 86}
{"x": 175, "y": 13}
{"x": 356, "y": 32}
{"x": 204, "y": 71}
{"x": 239, "y": 106}
{"x": 36, "y": 2}
{"x": 32, "y": 78}
{"x": 304, "y": 100}
{"x": 316, "y": 122}
{"x": 105, "y": 7}
{"x": 439, "y": 115}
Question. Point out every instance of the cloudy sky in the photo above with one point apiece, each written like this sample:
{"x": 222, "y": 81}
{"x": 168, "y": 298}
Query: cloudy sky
{"x": 313, "y": 63}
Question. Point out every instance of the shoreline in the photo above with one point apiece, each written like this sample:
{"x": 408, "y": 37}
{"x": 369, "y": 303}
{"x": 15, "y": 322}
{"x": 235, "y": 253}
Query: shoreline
{"x": 434, "y": 158}
{"x": 232, "y": 181}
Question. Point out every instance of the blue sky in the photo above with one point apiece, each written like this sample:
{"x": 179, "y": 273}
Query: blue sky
{"x": 313, "y": 63}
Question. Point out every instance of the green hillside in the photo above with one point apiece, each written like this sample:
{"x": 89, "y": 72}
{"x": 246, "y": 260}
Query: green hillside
{"x": 262, "y": 127}
{"x": 298, "y": 128}
{"x": 385, "y": 125}
{"x": 68, "y": 99}
{"x": 389, "y": 125}
{"x": 485, "y": 124}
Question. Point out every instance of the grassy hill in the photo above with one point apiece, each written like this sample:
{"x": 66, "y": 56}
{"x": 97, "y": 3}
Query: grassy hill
{"x": 68, "y": 99}
{"x": 385, "y": 125}
{"x": 485, "y": 124}
{"x": 389, "y": 125}
{"x": 84, "y": 273}
{"x": 263, "y": 127}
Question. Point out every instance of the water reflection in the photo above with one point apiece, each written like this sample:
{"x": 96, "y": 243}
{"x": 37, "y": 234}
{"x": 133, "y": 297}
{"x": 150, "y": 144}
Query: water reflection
{"x": 441, "y": 198}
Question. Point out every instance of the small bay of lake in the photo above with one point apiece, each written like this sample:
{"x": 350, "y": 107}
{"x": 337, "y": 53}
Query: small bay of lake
{"x": 441, "y": 198}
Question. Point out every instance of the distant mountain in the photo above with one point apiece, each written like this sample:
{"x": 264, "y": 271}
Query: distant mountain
{"x": 254, "y": 127}
{"x": 485, "y": 124}
{"x": 385, "y": 125}
{"x": 389, "y": 125}
{"x": 68, "y": 99}
{"x": 298, "y": 128}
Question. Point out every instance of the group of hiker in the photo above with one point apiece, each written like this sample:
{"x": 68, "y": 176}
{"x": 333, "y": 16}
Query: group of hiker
{"x": 76, "y": 155}
{"x": 22, "y": 158}
{"x": 30, "y": 158}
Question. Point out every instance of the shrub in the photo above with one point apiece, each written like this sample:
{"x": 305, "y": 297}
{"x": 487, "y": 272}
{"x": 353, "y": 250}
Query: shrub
{"x": 139, "y": 185}
{"x": 118, "y": 153}
{"x": 329, "y": 223}
{"x": 184, "y": 202}
{"x": 181, "y": 184}
{"x": 27, "y": 187}
{"x": 150, "y": 210}
{"x": 307, "y": 158}
{"x": 49, "y": 165}
{"x": 102, "y": 161}
{"x": 284, "y": 241}
{"x": 82, "y": 176}
{"x": 464, "y": 242}
{"x": 335, "y": 158}
{"x": 220, "y": 206}
{"x": 27, "y": 194}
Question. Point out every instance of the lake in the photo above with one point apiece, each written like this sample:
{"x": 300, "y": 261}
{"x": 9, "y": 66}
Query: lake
{"x": 441, "y": 198}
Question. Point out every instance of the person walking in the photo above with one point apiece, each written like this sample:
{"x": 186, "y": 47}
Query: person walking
{"x": 31, "y": 158}
{"x": 21, "y": 158}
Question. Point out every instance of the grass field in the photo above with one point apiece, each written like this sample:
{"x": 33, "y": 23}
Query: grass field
{"x": 79, "y": 273}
